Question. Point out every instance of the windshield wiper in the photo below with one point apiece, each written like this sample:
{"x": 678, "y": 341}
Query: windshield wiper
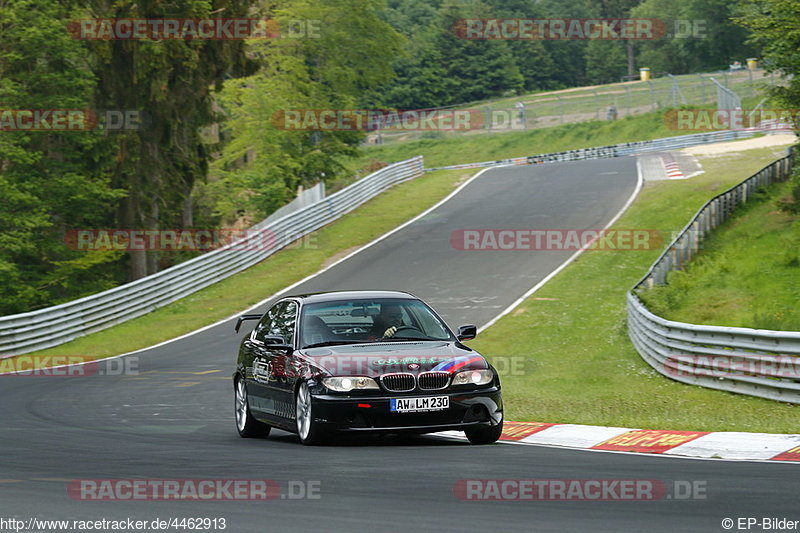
{"x": 404, "y": 339}
{"x": 331, "y": 343}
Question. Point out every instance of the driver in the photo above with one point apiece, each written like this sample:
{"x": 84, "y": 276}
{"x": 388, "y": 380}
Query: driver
{"x": 390, "y": 318}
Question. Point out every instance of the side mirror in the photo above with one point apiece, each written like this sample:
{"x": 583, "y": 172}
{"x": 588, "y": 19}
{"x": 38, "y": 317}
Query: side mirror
{"x": 246, "y": 317}
{"x": 466, "y": 333}
{"x": 276, "y": 342}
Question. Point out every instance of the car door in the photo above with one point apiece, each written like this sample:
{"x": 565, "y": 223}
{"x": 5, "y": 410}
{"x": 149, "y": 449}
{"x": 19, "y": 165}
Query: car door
{"x": 261, "y": 399}
{"x": 283, "y": 364}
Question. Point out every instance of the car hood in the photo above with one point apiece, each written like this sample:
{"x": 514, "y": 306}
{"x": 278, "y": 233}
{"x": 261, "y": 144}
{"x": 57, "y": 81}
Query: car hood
{"x": 375, "y": 359}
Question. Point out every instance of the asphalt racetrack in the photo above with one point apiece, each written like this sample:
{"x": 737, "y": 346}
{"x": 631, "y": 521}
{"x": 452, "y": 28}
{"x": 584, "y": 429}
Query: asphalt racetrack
{"x": 173, "y": 420}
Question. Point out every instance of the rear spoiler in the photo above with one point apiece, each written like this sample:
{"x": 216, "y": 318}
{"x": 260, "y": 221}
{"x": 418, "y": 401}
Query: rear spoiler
{"x": 246, "y": 317}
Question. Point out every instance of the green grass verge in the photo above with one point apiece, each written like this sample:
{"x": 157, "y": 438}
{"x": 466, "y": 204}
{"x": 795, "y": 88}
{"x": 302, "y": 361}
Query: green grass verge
{"x": 455, "y": 149}
{"x": 747, "y": 275}
{"x": 583, "y": 368}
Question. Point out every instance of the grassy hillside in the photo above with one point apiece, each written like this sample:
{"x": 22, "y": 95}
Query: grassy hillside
{"x": 747, "y": 275}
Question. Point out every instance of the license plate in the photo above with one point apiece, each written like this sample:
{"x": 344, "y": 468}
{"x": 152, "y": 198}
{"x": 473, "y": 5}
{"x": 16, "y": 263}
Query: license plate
{"x": 415, "y": 405}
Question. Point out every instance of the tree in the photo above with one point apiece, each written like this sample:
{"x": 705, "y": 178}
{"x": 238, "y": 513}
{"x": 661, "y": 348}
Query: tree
{"x": 720, "y": 40}
{"x": 606, "y": 61}
{"x": 475, "y": 69}
{"x": 705, "y": 39}
{"x": 172, "y": 81}
{"x": 49, "y": 181}
{"x": 531, "y": 56}
{"x": 441, "y": 68}
{"x": 264, "y": 162}
{"x": 775, "y": 26}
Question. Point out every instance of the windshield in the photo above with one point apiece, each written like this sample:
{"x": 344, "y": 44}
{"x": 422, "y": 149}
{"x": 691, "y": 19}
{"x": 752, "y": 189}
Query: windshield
{"x": 356, "y": 321}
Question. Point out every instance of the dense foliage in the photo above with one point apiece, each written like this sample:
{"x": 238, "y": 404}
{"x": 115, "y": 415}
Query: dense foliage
{"x": 210, "y": 153}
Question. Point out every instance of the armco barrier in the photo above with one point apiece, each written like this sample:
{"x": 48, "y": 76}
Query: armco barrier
{"x": 621, "y": 150}
{"x": 51, "y": 326}
{"x": 748, "y": 361}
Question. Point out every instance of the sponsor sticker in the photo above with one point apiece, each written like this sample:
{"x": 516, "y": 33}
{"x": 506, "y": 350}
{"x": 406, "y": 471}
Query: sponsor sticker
{"x": 648, "y": 440}
{"x": 520, "y": 430}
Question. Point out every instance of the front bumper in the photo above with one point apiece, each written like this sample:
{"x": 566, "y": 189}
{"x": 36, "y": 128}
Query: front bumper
{"x": 371, "y": 414}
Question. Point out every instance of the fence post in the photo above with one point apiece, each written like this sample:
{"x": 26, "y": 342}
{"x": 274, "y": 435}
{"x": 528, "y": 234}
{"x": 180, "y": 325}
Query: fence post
{"x": 677, "y": 95}
{"x": 653, "y": 103}
{"x": 596, "y": 104}
{"x": 703, "y": 88}
{"x": 628, "y": 100}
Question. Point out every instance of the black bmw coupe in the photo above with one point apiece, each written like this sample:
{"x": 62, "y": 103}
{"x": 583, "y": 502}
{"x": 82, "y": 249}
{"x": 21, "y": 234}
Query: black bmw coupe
{"x": 362, "y": 362}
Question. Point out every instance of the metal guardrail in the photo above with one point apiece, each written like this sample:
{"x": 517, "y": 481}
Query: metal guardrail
{"x": 619, "y": 150}
{"x": 51, "y": 326}
{"x": 749, "y": 361}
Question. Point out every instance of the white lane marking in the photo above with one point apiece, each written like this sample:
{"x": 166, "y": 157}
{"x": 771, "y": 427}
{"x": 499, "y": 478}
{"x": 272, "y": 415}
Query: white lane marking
{"x": 563, "y": 265}
{"x": 639, "y": 177}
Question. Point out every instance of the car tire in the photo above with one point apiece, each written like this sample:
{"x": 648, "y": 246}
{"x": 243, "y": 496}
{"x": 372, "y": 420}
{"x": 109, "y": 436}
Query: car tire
{"x": 307, "y": 429}
{"x": 247, "y": 426}
{"x": 485, "y": 435}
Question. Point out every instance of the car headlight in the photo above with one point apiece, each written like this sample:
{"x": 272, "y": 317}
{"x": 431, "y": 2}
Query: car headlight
{"x": 348, "y": 383}
{"x": 473, "y": 377}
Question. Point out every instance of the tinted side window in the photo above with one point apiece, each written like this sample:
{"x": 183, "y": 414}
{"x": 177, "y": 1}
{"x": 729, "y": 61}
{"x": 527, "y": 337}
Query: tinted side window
{"x": 265, "y": 326}
{"x": 284, "y": 322}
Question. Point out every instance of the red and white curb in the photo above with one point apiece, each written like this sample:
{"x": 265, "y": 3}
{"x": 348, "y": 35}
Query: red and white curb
{"x": 671, "y": 443}
{"x": 671, "y": 167}
{"x": 668, "y": 166}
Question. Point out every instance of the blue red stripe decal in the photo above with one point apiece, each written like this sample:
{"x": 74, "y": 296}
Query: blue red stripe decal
{"x": 457, "y": 363}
